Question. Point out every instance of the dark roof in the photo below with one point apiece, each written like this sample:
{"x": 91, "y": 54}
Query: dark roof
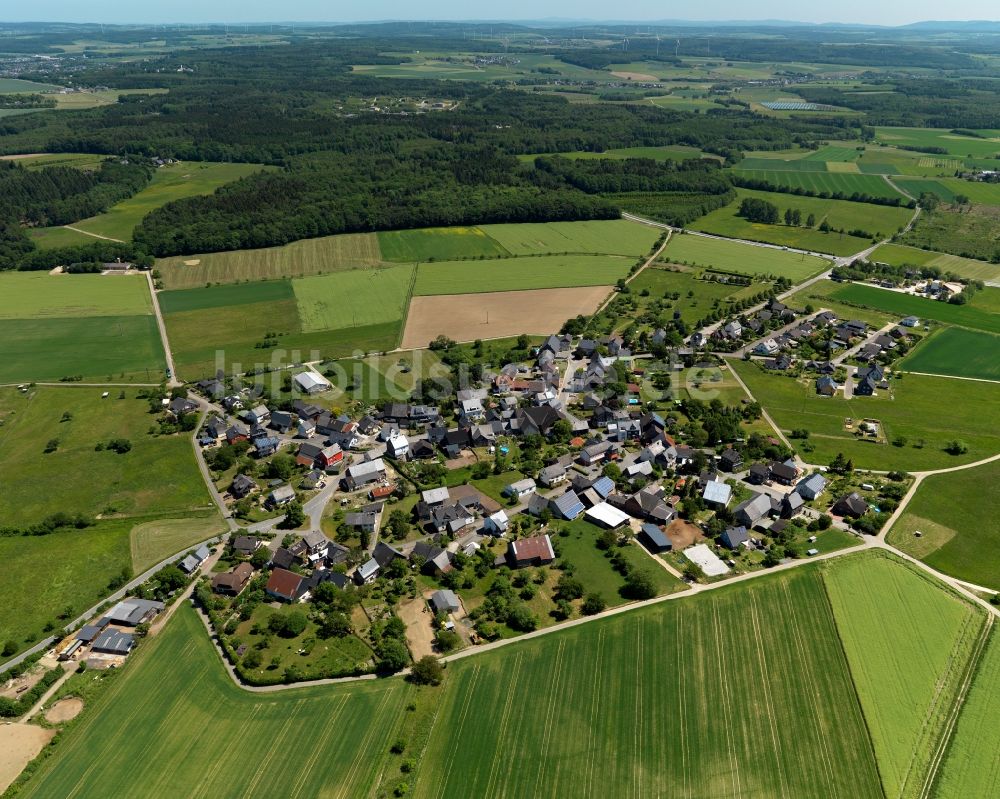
{"x": 115, "y": 642}
{"x": 852, "y": 504}
{"x": 655, "y": 536}
{"x": 734, "y": 536}
{"x": 383, "y": 554}
{"x": 284, "y": 583}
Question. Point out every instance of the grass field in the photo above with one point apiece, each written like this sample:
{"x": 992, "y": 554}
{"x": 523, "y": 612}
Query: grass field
{"x": 437, "y": 244}
{"x": 224, "y": 296}
{"x": 930, "y": 640}
{"x": 35, "y": 295}
{"x": 955, "y": 514}
{"x": 958, "y": 352}
{"x": 77, "y": 160}
{"x": 306, "y": 257}
{"x": 972, "y": 766}
{"x": 18, "y": 86}
{"x": 895, "y": 302}
{"x": 914, "y": 411}
{"x": 732, "y": 256}
{"x": 974, "y": 233}
{"x": 353, "y": 299}
{"x": 956, "y": 145}
{"x": 875, "y": 219}
{"x": 898, "y": 255}
{"x": 603, "y": 237}
{"x": 820, "y": 181}
{"x": 704, "y": 293}
{"x": 519, "y": 274}
{"x": 151, "y": 542}
{"x": 917, "y": 186}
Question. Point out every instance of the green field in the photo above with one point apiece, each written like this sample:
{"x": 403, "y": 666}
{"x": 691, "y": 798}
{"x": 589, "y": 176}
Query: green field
{"x": 908, "y": 672}
{"x": 913, "y": 411}
{"x": 34, "y": 295}
{"x": 520, "y": 274}
{"x": 353, "y": 299}
{"x": 917, "y": 186}
{"x": 77, "y": 160}
{"x": 895, "y": 302}
{"x": 764, "y": 161}
{"x": 956, "y": 515}
{"x": 821, "y": 181}
{"x": 153, "y": 541}
{"x": 958, "y": 352}
{"x": 18, "y": 86}
{"x": 732, "y": 256}
{"x": 875, "y": 219}
{"x": 973, "y": 233}
{"x": 677, "y": 153}
{"x": 956, "y": 145}
{"x": 306, "y": 257}
{"x": 657, "y": 702}
{"x": 704, "y": 293}
{"x": 898, "y": 255}
{"x": 972, "y": 766}
{"x": 437, "y": 244}
{"x": 603, "y": 237}
{"x": 223, "y": 296}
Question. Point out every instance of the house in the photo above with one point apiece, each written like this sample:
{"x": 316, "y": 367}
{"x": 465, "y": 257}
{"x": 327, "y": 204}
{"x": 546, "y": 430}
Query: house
{"x": 259, "y": 415}
{"x": 336, "y": 554}
{"x": 362, "y": 474}
{"x": 179, "y": 406}
{"x": 384, "y": 554}
{"x": 133, "y": 611}
{"x": 826, "y": 386}
{"x": 865, "y": 387}
{"x": 452, "y": 518}
{"x": 534, "y": 551}
{"x": 654, "y": 539}
{"x": 280, "y": 496}
{"x": 307, "y": 454}
{"x": 242, "y": 486}
{"x": 237, "y": 433}
{"x": 366, "y": 522}
{"x": 497, "y": 523}
{"x": 265, "y": 446}
{"x": 113, "y": 642}
{"x": 306, "y": 428}
{"x": 730, "y": 460}
{"x": 366, "y": 572}
{"x": 435, "y": 496}
{"x": 520, "y": 488}
{"x": 758, "y": 474}
{"x": 552, "y": 475}
{"x": 329, "y": 456}
{"x": 752, "y": 510}
{"x": 422, "y": 449}
{"x": 537, "y": 505}
{"x": 282, "y": 421}
{"x": 397, "y": 446}
{"x": 910, "y": 321}
{"x": 444, "y": 601}
{"x": 311, "y": 383}
{"x": 285, "y": 585}
{"x": 315, "y": 543}
{"x": 606, "y": 515}
{"x": 537, "y": 420}
{"x": 732, "y": 330}
{"x": 717, "y": 493}
{"x": 767, "y": 347}
{"x": 734, "y": 537}
{"x": 853, "y": 505}
{"x": 246, "y": 545}
{"x": 567, "y": 507}
{"x": 812, "y": 486}
{"x": 312, "y": 480}
{"x": 233, "y": 581}
{"x": 194, "y": 560}
{"x": 791, "y": 505}
{"x": 639, "y": 469}
{"x": 595, "y": 453}
{"x": 284, "y": 558}
{"x": 212, "y": 387}
{"x": 783, "y": 473}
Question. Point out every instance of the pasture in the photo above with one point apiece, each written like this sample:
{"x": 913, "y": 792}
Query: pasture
{"x": 437, "y": 244}
{"x": 353, "y": 299}
{"x": 703, "y": 293}
{"x": 300, "y": 258}
{"x": 35, "y": 295}
{"x": 955, "y": 514}
{"x": 957, "y": 352}
{"x": 956, "y": 145}
{"x": 598, "y": 237}
{"x": 496, "y": 314}
{"x": 821, "y": 181}
{"x": 967, "y": 268}
{"x": 913, "y": 411}
{"x": 974, "y": 233}
{"x": 746, "y": 259}
{"x": 520, "y": 274}
{"x": 895, "y": 302}
{"x": 151, "y": 542}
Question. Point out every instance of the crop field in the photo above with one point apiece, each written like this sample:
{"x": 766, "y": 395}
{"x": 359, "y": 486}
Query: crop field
{"x": 600, "y": 237}
{"x": 496, "y": 314}
{"x": 39, "y": 160}
{"x": 896, "y": 302}
{"x": 756, "y": 163}
{"x": 956, "y": 145}
{"x": 913, "y": 411}
{"x": 675, "y": 153}
{"x": 898, "y": 255}
{"x": 844, "y": 214}
{"x": 222, "y": 296}
{"x": 34, "y": 295}
{"x": 822, "y": 181}
{"x": 305, "y": 257}
{"x": 917, "y": 186}
{"x": 746, "y": 259}
{"x": 437, "y": 244}
{"x": 519, "y": 274}
{"x": 956, "y": 516}
{"x": 972, "y": 766}
{"x": 930, "y": 640}
{"x": 957, "y": 352}
{"x": 353, "y": 299}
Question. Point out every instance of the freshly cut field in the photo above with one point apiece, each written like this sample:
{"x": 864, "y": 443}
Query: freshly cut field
{"x": 732, "y": 256}
{"x": 601, "y": 237}
{"x": 909, "y": 305}
{"x": 972, "y": 766}
{"x": 353, "y": 299}
{"x": 32, "y": 295}
{"x": 898, "y": 255}
{"x": 909, "y": 642}
{"x": 914, "y": 411}
{"x": 306, "y": 257}
{"x": 822, "y": 181}
{"x": 958, "y": 352}
{"x": 437, "y": 244}
{"x": 39, "y": 160}
{"x": 496, "y": 314}
{"x": 956, "y": 515}
{"x": 519, "y": 274}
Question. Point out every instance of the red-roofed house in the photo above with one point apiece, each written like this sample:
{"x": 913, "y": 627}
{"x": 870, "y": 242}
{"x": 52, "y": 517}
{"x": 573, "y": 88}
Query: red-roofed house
{"x": 534, "y": 551}
{"x": 285, "y": 585}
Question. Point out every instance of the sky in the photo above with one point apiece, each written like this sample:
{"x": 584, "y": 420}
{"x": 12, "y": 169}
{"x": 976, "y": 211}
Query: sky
{"x": 882, "y": 12}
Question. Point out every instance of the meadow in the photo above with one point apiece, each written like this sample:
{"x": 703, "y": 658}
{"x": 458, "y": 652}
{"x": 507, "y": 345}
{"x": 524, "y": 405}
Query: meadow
{"x": 917, "y": 186}
{"x": 77, "y": 160}
{"x": 746, "y": 259}
{"x": 305, "y": 257}
{"x": 151, "y": 542}
{"x": 958, "y": 352}
{"x": 437, "y": 244}
{"x": 913, "y": 411}
{"x": 899, "y": 255}
{"x": 674, "y": 153}
{"x": 519, "y": 274}
{"x": 200, "y": 299}
{"x": 955, "y": 514}
{"x": 18, "y": 86}
{"x": 956, "y": 145}
{"x": 930, "y": 640}
{"x": 895, "y": 302}
{"x": 358, "y": 298}
{"x": 703, "y": 293}
{"x": 971, "y": 234}
{"x": 820, "y": 181}
{"x": 599, "y": 237}
{"x": 34, "y": 295}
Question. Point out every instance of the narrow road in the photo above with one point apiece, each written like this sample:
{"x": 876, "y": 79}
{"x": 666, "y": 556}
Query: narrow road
{"x": 172, "y": 382}
{"x": 94, "y": 235}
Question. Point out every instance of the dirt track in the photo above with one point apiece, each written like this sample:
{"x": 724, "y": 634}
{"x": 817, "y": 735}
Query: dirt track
{"x": 466, "y": 317}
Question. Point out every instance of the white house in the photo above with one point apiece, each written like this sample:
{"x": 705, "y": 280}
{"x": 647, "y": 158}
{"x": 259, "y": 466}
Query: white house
{"x": 311, "y": 383}
{"x": 397, "y": 446}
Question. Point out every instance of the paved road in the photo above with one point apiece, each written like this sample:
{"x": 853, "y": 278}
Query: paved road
{"x": 173, "y": 381}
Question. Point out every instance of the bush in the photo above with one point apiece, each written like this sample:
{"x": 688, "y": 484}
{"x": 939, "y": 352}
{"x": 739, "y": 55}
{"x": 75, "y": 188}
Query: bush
{"x": 593, "y": 604}
{"x": 288, "y": 625}
{"x": 9, "y": 648}
{"x": 427, "y": 671}
{"x": 639, "y": 585}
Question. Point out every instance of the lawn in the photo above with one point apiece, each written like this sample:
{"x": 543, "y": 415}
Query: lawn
{"x": 972, "y": 766}
{"x": 603, "y": 237}
{"x": 353, "y": 299}
{"x": 895, "y": 302}
{"x": 907, "y": 672}
{"x": 956, "y": 515}
{"x": 174, "y": 182}
{"x": 968, "y": 268}
{"x": 746, "y": 259}
{"x": 959, "y": 352}
{"x": 874, "y": 219}
{"x": 437, "y": 244}
{"x": 305, "y": 257}
{"x": 520, "y": 274}
{"x": 914, "y": 411}
{"x": 820, "y": 181}
{"x": 34, "y": 295}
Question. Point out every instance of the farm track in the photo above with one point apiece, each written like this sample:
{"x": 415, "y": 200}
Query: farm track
{"x": 95, "y": 235}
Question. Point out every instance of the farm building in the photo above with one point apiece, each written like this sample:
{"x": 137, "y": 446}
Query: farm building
{"x": 654, "y": 539}
{"x": 608, "y": 516}
{"x": 133, "y": 611}
{"x": 311, "y": 383}
{"x": 444, "y": 601}
{"x": 113, "y": 642}
{"x": 534, "y": 551}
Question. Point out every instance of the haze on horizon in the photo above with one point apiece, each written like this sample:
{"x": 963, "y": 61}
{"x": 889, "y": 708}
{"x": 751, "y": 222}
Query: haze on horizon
{"x": 893, "y": 12}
